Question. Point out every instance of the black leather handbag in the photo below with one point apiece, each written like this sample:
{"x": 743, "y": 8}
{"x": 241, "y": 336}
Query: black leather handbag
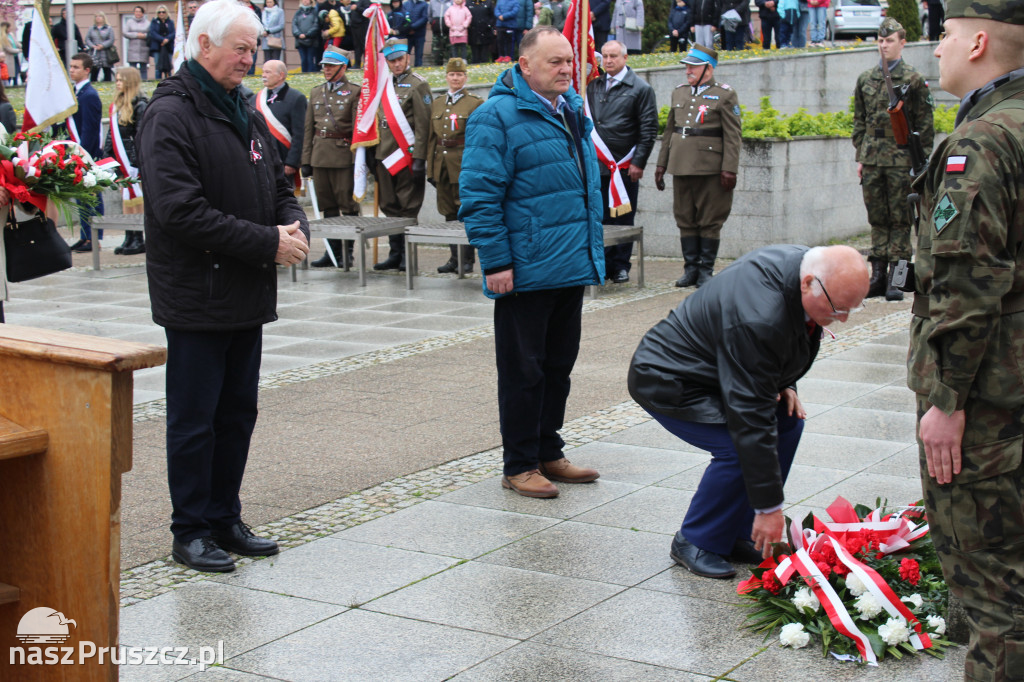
{"x": 33, "y": 248}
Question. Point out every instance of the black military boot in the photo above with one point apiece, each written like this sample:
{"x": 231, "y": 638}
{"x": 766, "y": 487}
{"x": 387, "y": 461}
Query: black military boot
{"x": 394, "y": 261}
{"x": 325, "y": 261}
{"x": 127, "y": 240}
{"x": 876, "y": 287}
{"x": 708, "y": 254}
{"x": 891, "y": 292}
{"x": 691, "y": 261}
{"x": 136, "y": 244}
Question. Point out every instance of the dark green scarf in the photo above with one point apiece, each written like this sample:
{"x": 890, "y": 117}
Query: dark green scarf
{"x": 231, "y": 103}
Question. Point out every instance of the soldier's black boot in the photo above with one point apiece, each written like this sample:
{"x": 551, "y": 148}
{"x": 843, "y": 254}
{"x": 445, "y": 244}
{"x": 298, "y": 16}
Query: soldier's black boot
{"x": 708, "y": 254}
{"x": 126, "y": 242}
{"x": 891, "y": 292}
{"x": 876, "y": 287}
{"x": 392, "y": 262}
{"x": 691, "y": 261}
{"x": 325, "y": 260}
{"x": 136, "y": 244}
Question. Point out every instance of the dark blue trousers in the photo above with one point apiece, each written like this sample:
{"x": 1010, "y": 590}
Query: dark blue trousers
{"x": 617, "y": 257}
{"x": 85, "y": 232}
{"x": 719, "y": 512}
{"x": 536, "y": 341}
{"x": 212, "y": 382}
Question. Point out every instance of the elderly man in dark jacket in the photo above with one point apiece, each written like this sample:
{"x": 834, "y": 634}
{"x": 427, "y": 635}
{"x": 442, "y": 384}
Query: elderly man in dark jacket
{"x": 625, "y": 117}
{"x": 720, "y": 372}
{"x": 220, "y": 214}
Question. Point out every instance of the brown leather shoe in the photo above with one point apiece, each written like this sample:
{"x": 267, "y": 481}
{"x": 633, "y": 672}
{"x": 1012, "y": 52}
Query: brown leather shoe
{"x": 564, "y": 471}
{"x": 530, "y": 484}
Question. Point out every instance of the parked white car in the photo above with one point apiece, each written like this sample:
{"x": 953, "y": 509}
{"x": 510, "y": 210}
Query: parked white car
{"x": 853, "y": 18}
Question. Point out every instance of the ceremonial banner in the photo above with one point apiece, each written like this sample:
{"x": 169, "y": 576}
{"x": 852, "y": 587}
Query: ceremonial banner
{"x": 178, "y": 56}
{"x": 49, "y": 94}
{"x": 376, "y": 77}
{"x": 580, "y": 33}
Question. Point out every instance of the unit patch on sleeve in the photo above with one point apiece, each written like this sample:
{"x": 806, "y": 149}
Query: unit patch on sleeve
{"x": 944, "y": 212}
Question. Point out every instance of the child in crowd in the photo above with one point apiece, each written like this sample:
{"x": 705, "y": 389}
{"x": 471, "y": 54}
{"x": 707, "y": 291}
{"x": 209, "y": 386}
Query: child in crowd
{"x": 457, "y": 18}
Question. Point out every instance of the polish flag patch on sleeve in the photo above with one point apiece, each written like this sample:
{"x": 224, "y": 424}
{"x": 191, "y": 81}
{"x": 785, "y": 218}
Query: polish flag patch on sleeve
{"x": 956, "y": 164}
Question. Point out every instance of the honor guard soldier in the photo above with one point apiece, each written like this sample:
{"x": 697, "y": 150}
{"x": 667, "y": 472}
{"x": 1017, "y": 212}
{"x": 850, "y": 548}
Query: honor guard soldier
{"x": 401, "y": 163}
{"x": 326, "y": 150}
{"x": 882, "y": 165}
{"x": 448, "y": 117}
{"x": 967, "y": 333}
{"x": 701, "y": 150}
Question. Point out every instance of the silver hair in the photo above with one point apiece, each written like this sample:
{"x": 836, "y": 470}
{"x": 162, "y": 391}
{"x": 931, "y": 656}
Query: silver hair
{"x": 216, "y": 19}
{"x": 622, "y": 48}
{"x": 817, "y": 263}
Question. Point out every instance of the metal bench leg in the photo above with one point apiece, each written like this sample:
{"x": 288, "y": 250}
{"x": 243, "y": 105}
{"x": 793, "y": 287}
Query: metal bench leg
{"x": 410, "y": 262}
{"x": 640, "y": 262}
{"x": 458, "y": 261}
{"x": 361, "y": 245}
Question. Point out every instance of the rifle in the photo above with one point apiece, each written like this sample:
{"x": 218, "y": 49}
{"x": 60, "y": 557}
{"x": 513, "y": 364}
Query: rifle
{"x": 905, "y": 137}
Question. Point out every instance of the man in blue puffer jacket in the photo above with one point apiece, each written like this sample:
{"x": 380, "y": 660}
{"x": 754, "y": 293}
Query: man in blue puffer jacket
{"x": 531, "y": 202}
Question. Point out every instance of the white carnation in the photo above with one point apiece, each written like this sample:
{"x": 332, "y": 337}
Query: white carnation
{"x": 805, "y": 598}
{"x": 894, "y": 631}
{"x": 106, "y": 175}
{"x": 868, "y": 606}
{"x": 89, "y": 180}
{"x": 915, "y": 599}
{"x": 854, "y": 585}
{"x": 937, "y": 624}
{"x": 793, "y": 635}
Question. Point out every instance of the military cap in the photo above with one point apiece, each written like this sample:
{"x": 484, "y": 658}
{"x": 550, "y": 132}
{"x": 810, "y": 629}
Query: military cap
{"x": 334, "y": 55}
{"x": 888, "y": 27}
{"x": 395, "y": 48}
{"x": 699, "y": 56}
{"x": 456, "y": 64}
{"x": 1005, "y": 11}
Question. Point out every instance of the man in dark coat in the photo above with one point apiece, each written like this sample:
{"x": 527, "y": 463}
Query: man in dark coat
{"x": 284, "y": 109}
{"x": 220, "y": 216}
{"x": 625, "y": 116}
{"x": 720, "y": 372}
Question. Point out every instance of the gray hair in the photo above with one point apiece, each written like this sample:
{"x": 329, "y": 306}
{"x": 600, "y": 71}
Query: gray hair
{"x": 622, "y": 48}
{"x": 216, "y": 19}
{"x": 817, "y": 263}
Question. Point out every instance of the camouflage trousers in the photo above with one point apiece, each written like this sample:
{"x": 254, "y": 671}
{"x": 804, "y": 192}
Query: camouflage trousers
{"x": 977, "y": 525}
{"x": 885, "y": 195}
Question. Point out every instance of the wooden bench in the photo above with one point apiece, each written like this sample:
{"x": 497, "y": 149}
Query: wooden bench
{"x": 358, "y": 228}
{"x": 451, "y": 233}
{"x": 65, "y": 441}
{"x": 132, "y": 221}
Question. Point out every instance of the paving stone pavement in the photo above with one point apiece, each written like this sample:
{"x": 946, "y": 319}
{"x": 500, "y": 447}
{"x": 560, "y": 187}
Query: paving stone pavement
{"x": 403, "y": 557}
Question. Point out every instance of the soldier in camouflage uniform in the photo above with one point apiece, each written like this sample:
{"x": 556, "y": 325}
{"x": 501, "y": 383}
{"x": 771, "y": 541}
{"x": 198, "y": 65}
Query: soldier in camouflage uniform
{"x": 326, "y": 146}
{"x": 448, "y": 118}
{"x": 966, "y": 360}
{"x": 401, "y": 194}
{"x": 883, "y": 168}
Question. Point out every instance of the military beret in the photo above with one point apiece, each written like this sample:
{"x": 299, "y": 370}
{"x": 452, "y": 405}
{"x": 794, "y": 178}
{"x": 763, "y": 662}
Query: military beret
{"x": 700, "y": 55}
{"x": 1005, "y": 11}
{"x": 456, "y": 64}
{"x": 888, "y": 27}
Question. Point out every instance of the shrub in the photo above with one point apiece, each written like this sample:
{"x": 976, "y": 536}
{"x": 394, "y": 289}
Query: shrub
{"x": 905, "y": 12}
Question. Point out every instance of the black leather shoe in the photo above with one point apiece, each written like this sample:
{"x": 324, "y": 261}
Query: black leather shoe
{"x": 743, "y": 552}
{"x": 698, "y": 561}
{"x": 82, "y": 246}
{"x": 390, "y": 263}
{"x": 451, "y": 266}
{"x": 202, "y": 554}
{"x": 240, "y": 540}
{"x": 621, "y": 277}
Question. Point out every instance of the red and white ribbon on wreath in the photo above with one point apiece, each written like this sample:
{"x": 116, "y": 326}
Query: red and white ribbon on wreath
{"x": 400, "y": 128}
{"x": 893, "y": 532}
{"x": 133, "y": 190}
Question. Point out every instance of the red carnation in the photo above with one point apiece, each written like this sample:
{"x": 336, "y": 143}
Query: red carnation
{"x": 771, "y": 582}
{"x": 910, "y": 571}
{"x": 825, "y": 569}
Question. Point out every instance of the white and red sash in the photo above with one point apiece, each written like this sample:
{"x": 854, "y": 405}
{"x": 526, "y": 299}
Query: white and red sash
{"x": 133, "y": 191}
{"x": 400, "y": 128}
{"x": 73, "y": 130}
{"x": 277, "y": 129}
{"x": 618, "y": 199}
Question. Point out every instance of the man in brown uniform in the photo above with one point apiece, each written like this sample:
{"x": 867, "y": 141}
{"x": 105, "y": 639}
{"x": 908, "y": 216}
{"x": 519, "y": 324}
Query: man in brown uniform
{"x": 448, "y": 116}
{"x": 401, "y": 191}
{"x": 326, "y": 147}
{"x": 701, "y": 149}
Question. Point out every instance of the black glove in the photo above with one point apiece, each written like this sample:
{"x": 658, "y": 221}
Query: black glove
{"x": 419, "y": 168}
{"x": 728, "y": 180}
{"x": 307, "y": 171}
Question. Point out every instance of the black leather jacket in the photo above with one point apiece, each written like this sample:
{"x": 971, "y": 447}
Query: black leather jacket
{"x": 624, "y": 116}
{"x": 214, "y": 200}
{"x": 726, "y": 352}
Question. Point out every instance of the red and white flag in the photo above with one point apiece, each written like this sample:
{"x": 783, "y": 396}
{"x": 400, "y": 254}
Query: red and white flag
{"x": 376, "y": 77}
{"x": 178, "y": 56}
{"x": 580, "y": 33}
{"x": 49, "y": 94}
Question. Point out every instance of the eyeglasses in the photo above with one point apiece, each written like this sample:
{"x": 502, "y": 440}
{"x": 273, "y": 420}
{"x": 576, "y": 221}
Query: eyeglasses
{"x": 833, "y": 305}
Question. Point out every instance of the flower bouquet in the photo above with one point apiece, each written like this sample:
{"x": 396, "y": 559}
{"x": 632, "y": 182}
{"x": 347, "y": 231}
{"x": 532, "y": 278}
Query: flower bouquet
{"x": 867, "y": 583}
{"x": 34, "y": 168}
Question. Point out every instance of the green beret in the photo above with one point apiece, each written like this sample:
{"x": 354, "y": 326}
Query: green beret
{"x": 1005, "y": 11}
{"x": 888, "y": 27}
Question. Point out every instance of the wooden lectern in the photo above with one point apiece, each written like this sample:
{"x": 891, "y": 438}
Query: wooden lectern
{"x": 65, "y": 440}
